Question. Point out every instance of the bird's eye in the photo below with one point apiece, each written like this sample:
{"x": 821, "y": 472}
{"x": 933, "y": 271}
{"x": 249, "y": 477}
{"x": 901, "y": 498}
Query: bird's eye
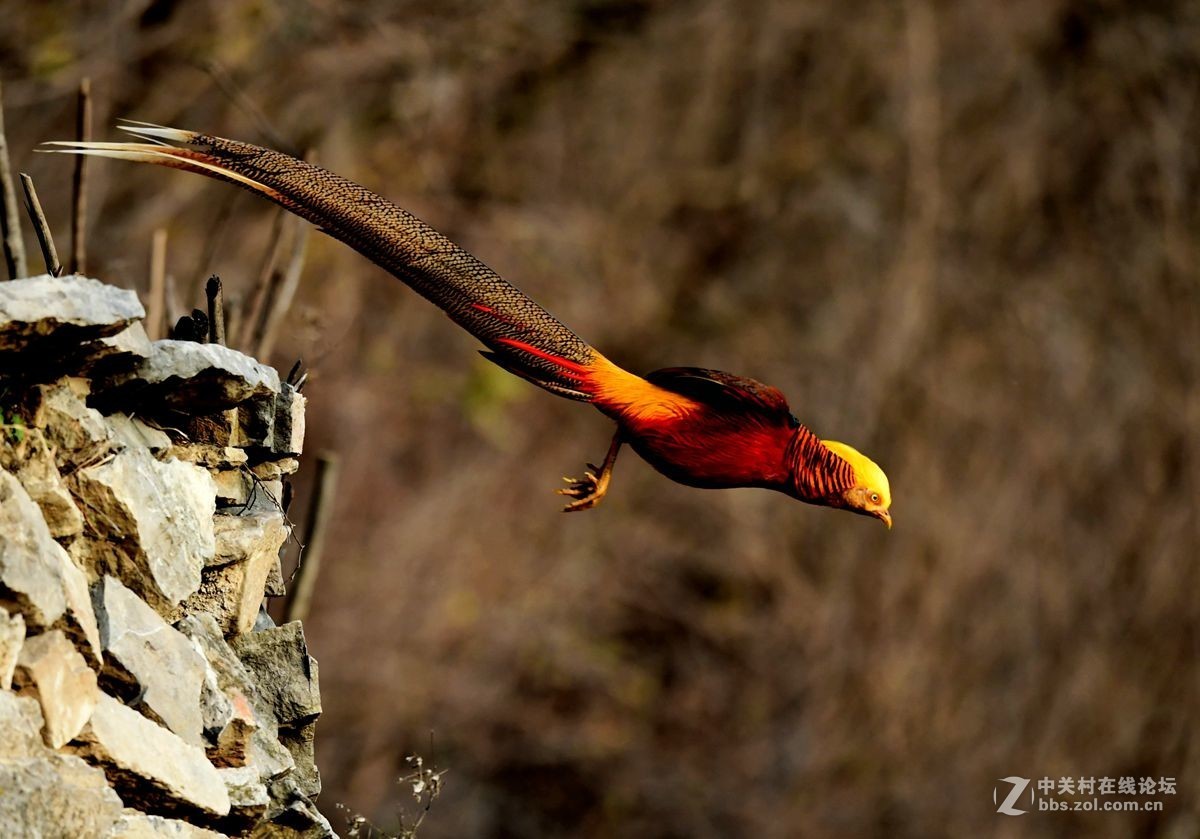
{"x": 874, "y": 497}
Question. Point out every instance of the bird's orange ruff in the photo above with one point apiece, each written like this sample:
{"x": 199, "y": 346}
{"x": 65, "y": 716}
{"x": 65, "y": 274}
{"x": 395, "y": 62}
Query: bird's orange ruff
{"x": 636, "y": 401}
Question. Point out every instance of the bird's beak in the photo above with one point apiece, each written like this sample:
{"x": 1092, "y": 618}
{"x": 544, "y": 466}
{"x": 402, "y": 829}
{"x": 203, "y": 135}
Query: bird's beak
{"x": 885, "y": 517}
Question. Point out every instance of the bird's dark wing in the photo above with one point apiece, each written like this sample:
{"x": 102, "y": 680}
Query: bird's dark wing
{"x": 724, "y": 391}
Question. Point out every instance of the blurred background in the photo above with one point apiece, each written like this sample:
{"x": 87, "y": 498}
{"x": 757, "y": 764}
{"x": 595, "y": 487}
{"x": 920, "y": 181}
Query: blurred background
{"x": 960, "y": 236}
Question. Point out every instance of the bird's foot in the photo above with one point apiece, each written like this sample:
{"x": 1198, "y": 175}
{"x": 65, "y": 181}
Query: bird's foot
{"x": 588, "y": 490}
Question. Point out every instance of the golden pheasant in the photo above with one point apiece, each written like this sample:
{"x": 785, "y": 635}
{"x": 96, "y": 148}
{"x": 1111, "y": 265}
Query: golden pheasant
{"x": 702, "y": 428}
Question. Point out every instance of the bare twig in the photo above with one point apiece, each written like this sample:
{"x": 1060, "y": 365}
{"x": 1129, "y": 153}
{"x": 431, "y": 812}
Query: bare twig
{"x": 171, "y": 303}
{"x": 156, "y": 305}
{"x": 214, "y": 237}
{"x": 233, "y": 316}
{"x": 10, "y": 223}
{"x": 253, "y": 345}
{"x": 83, "y": 133}
{"x": 426, "y": 786}
{"x": 253, "y": 313}
{"x": 294, "y": 373}
{"x": 34, "y": 207}
{"x": 315, "y": 527}
{"x": 216, "y": 310}
{"x": 235, "y": 94}
{"x": 286, "y": 292}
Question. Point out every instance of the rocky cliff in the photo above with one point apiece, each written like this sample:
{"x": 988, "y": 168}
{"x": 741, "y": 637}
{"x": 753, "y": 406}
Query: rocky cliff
{"x": 144, "y": 691}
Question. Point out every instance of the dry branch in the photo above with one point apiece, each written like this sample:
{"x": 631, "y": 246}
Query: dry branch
{"x": 233, "y": 317}
{"x": 253, "y": 313}
{"x": 156, "y": 305}
{"x": 216, "y": 310}
{"x": 34, "y": 207}
{"x": 10, "y": 222}
{"x": 172, "y": 303}
{"x": 284, "y": 292}
{"x": 315, "y": 527}
{"x": 83, "y": 133}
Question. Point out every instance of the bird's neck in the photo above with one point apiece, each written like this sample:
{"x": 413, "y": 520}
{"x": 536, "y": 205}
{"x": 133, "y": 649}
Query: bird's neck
{"x": 818, "y": 475}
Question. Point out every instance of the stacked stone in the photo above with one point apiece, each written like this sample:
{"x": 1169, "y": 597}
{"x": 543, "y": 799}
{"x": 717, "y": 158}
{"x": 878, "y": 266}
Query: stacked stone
{"x": 144, "y": 691}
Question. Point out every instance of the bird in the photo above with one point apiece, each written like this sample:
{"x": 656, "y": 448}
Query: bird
{"x": 699, "y": 427}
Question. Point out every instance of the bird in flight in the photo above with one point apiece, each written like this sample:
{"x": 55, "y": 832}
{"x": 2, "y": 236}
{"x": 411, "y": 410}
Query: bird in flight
{"x": 702, "y": 428}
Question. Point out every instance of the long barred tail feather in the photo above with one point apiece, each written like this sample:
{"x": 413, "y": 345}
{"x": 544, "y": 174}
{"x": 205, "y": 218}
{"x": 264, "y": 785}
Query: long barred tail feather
{"x": 522, "y": 337}
{"x": 506, "y": 362}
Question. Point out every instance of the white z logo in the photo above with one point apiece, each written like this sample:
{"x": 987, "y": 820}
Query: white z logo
{"x": 1018, "y": 787}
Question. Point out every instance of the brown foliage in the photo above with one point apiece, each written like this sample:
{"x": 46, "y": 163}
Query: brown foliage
{"x": 961, "y": 236}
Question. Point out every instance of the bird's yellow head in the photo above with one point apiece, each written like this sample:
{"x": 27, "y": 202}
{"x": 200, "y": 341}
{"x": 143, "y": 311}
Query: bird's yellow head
{"x": 871, "y": 495}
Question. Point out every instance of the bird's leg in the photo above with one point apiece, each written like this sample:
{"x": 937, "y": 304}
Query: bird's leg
{"x": 588, "y": 490}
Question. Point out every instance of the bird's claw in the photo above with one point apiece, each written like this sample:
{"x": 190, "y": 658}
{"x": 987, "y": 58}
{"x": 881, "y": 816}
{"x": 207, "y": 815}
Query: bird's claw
{"x": 587, "y": 491}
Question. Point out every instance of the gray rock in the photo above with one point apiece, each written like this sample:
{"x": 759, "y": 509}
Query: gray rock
{"x": 261, "y": 749}
{"x": 45, "y": 312}
{"x": 288, "y": 436}
{"x": 264, "y": 620}
{"x": 195, "y": 378}
{"x": 256, "y": 423}
{"x": 131, "y": 341}
{"x": 205, "y": 634}
{"x": 36, "y": 574}
{"x": 276, "y": 587}
{"x": 285, "y": 673}
{"x": 266, "y": 496}
{"x": 204, "y": 454}
{"x": 232, "y": 746}
{"x": 151, "y": 768}
{"x": 29, "y": 565}
{"x": 229, "y": 723}
{"x": 233, "y": 586}
{"x": 267, "y": 754}
{"x": 297, "y": 818}
{"x": 240, "y": 488}
{"x": 20, "y": 726}
{"x": 273, "y": 470}
{"x": 248, "y": 796}
{"x": 234, "y": 487}
{"x": 12, "y": 636}
{"x": 219, "y": 430}
{"x": 156, "y": 517}
{"x": 77, "y": 434}
{"x": 131, "y": 431}
{"x": 38, "y": 473}
{"x": 216, "y": 711}
{"x": 79, "y": 622}
{"x": 286, "y": 699}
{"x": 247, "y": 537}
{"x": 300, "y": 742}
{"x": 273, "y": 424}
{"x": 135, "y": 825}
{"x": 55, "y": 796}
{"x": 149, "y": 660}
{"x": 51, "y": 669}
{"x": 117, "y": 354}
{"x": 233, "y": 711}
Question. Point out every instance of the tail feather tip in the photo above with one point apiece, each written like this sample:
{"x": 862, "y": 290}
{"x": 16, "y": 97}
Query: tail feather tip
{"x": 156, "y": 133}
